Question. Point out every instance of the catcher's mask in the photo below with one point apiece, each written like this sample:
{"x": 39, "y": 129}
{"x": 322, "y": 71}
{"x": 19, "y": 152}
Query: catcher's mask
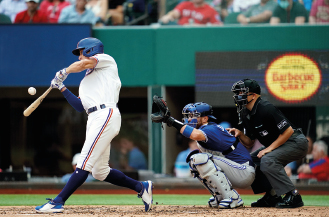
{"x": 193, "y": 111}
{"x": 242, "y": 89}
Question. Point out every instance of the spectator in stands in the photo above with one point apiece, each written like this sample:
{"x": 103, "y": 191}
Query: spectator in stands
{"x": 99, "y": 8}
{"x": 307, "y": 3}
{"x": 4, "y": 19}
{"x": 194, "y": 12}
{"x": 182, "y": 169}
{"x": 289, "y": 12}
{"x": 77, "y": 14}
{"x": 53, "y": 9}
{"x": 32, "y": 14}
{"x": 225, "y": 8}
{"x": 243, "y": 5}
{"x": 115, "y": 12}
{"x": 75, "y": 159}
{"x": 291, "y": 168}
{"x": 135, "y": 158}
{"x": 319, "y": 168}
{"x": 135, "y": 9}
{"x": 11, "y": 7}
{"x": 319, "y": 12}
{"x": 259, "y": 13}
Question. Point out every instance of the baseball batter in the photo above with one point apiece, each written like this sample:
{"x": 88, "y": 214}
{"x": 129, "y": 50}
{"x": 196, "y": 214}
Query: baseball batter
{"x": 98, "y": 96}
{"x": 283, "y": 143}
{"x": 223, "y": 163}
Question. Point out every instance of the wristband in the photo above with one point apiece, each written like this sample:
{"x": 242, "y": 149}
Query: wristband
{"x": 187, "y": 131}
{"x": 173, "y": 122}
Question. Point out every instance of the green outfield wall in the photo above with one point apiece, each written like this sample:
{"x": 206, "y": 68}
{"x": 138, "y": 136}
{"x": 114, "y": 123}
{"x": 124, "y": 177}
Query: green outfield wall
{"x": 166, "y": 55}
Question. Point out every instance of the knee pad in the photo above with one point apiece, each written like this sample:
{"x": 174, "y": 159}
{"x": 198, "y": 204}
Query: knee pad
{"x": 203, "y": 164}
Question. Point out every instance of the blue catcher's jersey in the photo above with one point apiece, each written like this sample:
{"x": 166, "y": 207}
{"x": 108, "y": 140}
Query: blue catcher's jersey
{"x": 219, "y": 140}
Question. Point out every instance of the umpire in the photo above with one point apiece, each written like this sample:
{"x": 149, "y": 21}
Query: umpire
{"x": 283, "y": 144}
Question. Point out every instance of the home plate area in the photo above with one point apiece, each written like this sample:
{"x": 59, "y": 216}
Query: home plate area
{"x": 166, "y": 210}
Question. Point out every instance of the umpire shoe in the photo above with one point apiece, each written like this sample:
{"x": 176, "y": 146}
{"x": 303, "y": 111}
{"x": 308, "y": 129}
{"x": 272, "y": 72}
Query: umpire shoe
{"x": 146, "y": 194}
{"x": 50, "y": 207}
{"x": 267, "y": 201}
{"x": 291, "y": 200}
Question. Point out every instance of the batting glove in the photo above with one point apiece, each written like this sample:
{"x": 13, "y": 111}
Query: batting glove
{"x": 61, "y": 75}
{"x": 57, "y": 84}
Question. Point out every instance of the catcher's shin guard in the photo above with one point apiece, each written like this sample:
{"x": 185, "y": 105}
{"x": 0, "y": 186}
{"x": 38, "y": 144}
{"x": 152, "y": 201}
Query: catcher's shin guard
{"x": 213, "y": 179}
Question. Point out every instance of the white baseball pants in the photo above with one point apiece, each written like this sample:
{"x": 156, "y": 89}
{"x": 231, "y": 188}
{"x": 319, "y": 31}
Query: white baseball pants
{"x": 102, "y": 126}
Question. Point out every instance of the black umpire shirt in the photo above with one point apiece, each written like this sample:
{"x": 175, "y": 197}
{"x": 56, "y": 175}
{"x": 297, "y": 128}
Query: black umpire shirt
{"x": 264, "y": 122}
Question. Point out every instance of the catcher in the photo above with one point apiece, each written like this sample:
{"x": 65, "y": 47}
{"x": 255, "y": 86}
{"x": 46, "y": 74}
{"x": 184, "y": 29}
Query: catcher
{"x": 223, "y": 163}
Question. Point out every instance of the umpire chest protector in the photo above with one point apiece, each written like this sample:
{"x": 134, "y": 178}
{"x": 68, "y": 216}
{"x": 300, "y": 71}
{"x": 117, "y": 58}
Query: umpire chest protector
{"x": 264, "y": 122}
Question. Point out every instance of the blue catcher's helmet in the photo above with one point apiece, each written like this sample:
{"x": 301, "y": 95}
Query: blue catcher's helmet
{"x": 90, "y": 46}
{"x": 192, "y": 111}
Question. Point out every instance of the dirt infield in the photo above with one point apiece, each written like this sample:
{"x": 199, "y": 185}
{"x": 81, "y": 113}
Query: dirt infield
{"x": 165, "y": 211}
{"x": 127, "y": 191}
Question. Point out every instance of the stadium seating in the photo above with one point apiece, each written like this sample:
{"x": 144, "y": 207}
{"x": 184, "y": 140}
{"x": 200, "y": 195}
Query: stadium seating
{"x": 4, "y": 19}
{"x": 231, "y": 18}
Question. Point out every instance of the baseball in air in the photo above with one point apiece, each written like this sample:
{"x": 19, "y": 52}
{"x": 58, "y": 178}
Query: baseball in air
{"x": 32, "y": 91}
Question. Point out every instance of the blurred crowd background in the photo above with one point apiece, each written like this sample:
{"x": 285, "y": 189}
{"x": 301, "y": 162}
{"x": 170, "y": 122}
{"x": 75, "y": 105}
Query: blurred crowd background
{"x": 165, "y": 12}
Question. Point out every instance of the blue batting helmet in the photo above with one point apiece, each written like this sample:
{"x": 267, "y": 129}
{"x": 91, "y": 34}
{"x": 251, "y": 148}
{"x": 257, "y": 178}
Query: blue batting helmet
{"x": 192, "y": 111}
{"x": 90, "y": 46}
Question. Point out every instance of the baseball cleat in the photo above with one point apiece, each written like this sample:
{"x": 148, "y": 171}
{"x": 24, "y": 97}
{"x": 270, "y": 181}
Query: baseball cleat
{"x": 146, "y": 194}
{"x": 234, "y": 202}
{"x": 213, "y": 203}
{"x": 50, "y": 207}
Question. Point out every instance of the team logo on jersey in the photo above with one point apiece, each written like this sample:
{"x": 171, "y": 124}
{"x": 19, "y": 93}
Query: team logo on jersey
{"x": 293, "y": 77}
{"x": 220, "y": 127}
{"x": 263, "y": 133}
{"x": 282, "y": 124}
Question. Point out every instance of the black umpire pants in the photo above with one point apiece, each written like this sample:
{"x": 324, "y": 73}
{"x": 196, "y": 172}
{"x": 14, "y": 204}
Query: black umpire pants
{"x": 270, "y": 173}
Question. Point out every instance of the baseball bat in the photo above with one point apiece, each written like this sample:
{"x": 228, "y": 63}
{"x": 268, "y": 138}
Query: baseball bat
{"x": 36, "y": 103}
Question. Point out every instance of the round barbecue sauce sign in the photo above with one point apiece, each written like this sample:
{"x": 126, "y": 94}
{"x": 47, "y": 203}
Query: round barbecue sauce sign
{"x": 293, "y": 78}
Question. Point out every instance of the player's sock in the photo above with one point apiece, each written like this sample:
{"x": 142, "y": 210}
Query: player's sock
{"x": 78, "y": 177}
{"x": 117, "y": 177}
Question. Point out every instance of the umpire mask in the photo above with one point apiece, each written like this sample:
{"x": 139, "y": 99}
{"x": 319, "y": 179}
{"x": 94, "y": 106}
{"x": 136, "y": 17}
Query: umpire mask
{"x": 241, "y": 91}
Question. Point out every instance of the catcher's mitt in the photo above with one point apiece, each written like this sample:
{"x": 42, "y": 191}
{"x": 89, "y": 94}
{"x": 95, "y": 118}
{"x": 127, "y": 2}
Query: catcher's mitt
{"x": 160, "y": 111}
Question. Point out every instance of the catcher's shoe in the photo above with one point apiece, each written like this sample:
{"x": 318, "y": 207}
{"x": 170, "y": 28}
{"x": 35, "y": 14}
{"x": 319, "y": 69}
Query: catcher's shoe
{"x": 213, "y": 203}
{"x": 234, "y": 202}
{"x": 146, "y": 194}
{"x": 50, "y": 207}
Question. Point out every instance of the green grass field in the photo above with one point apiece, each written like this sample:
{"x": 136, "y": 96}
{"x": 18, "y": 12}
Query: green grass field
{"x": 129, "y": 199}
